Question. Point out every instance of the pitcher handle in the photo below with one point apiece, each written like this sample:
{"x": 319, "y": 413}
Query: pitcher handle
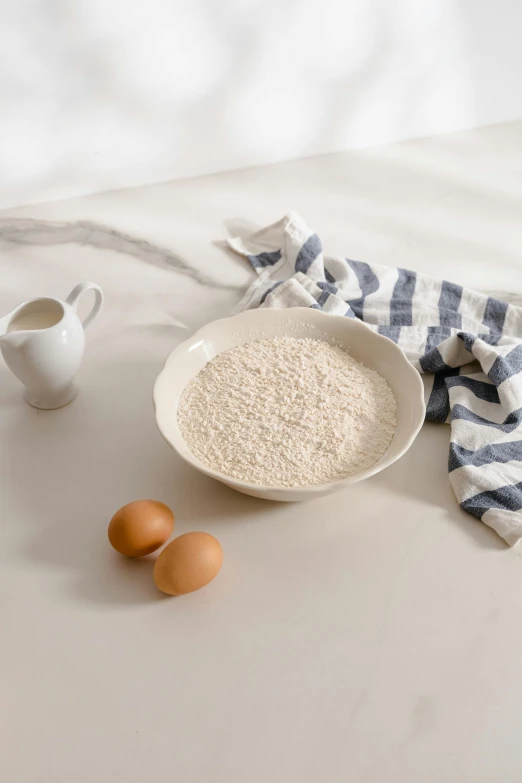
{"x": 80, "y": 289}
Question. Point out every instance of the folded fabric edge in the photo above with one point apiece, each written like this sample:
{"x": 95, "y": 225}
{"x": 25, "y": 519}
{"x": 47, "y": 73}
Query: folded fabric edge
{"x": 265, "y": 241}
{"x": 508, "y": 524}
{"x": 265, "y": 250}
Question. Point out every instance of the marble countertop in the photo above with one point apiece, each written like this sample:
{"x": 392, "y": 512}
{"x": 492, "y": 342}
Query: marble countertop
{"x": 367, "y": 637}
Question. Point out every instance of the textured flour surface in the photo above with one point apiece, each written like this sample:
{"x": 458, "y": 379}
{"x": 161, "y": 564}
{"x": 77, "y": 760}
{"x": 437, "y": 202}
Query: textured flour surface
{"x": 287, "y": 412}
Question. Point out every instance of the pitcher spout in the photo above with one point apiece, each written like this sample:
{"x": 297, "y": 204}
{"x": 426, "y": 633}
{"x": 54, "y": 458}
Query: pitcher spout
{"x": 4, "y": 324}
{"x": 12, "y": 339}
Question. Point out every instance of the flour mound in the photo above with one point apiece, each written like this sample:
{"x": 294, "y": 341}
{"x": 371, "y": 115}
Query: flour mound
{"x": 287, "y": 412}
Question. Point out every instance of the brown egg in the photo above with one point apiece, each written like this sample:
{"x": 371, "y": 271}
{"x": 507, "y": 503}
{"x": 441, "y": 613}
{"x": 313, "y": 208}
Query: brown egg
{"x": 189, "y": 562}
{"x": 141, "y": 527}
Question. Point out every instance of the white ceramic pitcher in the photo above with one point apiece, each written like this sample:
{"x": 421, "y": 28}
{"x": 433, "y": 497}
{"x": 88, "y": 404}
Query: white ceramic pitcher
{"x": 42, "y": 342}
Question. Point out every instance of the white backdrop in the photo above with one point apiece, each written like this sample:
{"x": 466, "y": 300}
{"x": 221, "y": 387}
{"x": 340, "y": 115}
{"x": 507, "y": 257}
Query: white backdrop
{"x": 109, "y": 93}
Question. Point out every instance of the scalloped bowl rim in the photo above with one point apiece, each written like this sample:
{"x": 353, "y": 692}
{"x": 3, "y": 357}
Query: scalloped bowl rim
{"x": 166, "y": 401}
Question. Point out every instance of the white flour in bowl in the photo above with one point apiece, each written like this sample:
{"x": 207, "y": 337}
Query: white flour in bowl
{"x": 287, "y": 412}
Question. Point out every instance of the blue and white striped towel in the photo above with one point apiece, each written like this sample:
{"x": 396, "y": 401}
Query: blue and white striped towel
{"x": 468, "y": 347}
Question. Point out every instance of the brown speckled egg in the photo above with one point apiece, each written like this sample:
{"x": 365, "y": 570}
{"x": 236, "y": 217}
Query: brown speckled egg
{"x": 141, "y": 527}
{"x": 189, "y": 562}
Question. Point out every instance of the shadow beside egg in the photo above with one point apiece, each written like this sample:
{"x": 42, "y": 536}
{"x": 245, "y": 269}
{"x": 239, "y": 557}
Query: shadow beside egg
{"x": 121, "y": 580}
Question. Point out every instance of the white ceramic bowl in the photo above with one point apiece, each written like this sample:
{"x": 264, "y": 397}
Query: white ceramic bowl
{"x": 365, "y": 345}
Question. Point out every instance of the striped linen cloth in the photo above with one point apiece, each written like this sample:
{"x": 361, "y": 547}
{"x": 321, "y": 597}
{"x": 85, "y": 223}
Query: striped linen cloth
{"x": 467, "y": 346}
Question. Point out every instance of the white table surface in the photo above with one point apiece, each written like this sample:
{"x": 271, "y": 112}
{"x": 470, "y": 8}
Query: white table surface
{"x": 374, "y": 636}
